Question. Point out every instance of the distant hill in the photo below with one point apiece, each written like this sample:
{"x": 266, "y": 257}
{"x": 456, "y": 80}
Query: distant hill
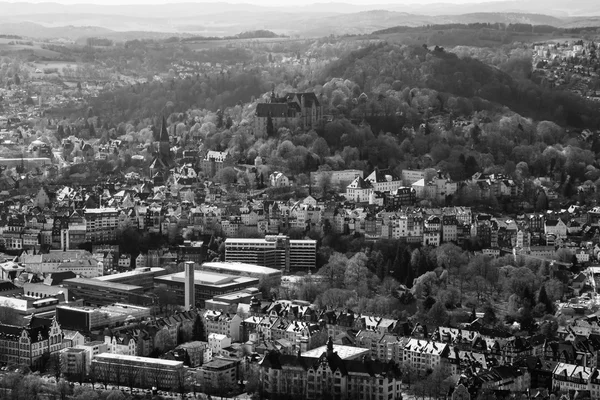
{"x": 30, "y": 29}
{"x": 259, "y": 34}
{"x": 313, "y": 20}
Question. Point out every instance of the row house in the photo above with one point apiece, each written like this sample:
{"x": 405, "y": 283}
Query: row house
{"x": 425, "y": 355}
{"x": 569, "y": 377}
{"x": 223, "y": 324}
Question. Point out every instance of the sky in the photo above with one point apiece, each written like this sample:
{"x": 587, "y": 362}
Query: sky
{"x": 269, "y": 3}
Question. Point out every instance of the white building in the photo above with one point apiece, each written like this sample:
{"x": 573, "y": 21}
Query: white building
{"x": 359, "y": 190}
{"x": 218, "y": 342}
{"x": 278, "y": 179}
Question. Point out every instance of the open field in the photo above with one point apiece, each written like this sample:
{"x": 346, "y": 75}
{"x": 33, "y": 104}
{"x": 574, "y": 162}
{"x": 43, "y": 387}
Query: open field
{"x": 21, "y": 46}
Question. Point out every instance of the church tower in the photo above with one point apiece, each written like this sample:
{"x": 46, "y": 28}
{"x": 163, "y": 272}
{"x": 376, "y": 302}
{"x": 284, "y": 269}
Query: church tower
{"x": 164, "y": 145}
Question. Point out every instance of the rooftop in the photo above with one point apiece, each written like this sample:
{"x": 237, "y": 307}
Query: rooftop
{"x": 207, "y": 278}
{"x": 145, "y": 360}
{"x": 344, "y": 352}
{"x": 238, "y": 266}
{"x": 99, "y": 283}
{"x": 151, "y": 270}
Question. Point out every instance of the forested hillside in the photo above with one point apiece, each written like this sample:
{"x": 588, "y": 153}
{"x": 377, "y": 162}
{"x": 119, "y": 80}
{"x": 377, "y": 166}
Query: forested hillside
{"x": 466, "y": 77}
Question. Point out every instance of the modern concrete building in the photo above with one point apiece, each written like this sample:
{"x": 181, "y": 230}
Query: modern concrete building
{"x": 274, "y": 251}
{"x": 95, "y": 292}
{"x": 143, "y": 372}
{"x": 206, "y": 285}
{"x": 86, "y": 319}
{"x": 143, "y": 277}
{"x": 270, "y": 275}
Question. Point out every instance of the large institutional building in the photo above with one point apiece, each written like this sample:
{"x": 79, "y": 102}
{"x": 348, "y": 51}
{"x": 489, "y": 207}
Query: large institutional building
{"x": 294, "y": 109}
{"x": 274, "y": 251}
{"x": 206, "y": 285}
{"x": 310, "y": 377}
{"x": 141, "y": 371}
{"x": 25, "y": 345}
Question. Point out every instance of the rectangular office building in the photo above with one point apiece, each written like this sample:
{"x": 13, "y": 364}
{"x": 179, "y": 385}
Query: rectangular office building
{"x": 274, "y": 251}
{"x": 143, "y": 372}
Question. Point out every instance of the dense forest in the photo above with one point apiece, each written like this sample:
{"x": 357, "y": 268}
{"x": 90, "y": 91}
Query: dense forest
{"x": 413, "y": 66}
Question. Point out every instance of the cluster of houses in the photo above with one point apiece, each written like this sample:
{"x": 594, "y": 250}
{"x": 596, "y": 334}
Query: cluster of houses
{"x": 66, "y": 217}
{"x": 300, "y": 349}
{"x": 572, "y": 65}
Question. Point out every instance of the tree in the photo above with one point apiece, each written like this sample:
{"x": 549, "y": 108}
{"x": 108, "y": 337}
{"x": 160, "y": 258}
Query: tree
{"x": 185, "y": 332}
{"x": 270, "y": 128}
{"x": 198, "y": 330}
{"x": 63, "y": 388}
{"x": 438, "y": 314}
{"x": 181, "y": 383}
{"x": 131, "y": 373}
{"x": 163, "y": 341}
{"x": 334, "y": 271}
{"x": 357, "y": 274}
{"x": 545, "y": 300}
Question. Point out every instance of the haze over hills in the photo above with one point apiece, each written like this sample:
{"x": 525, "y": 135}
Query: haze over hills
{"x": 48, "y": 20}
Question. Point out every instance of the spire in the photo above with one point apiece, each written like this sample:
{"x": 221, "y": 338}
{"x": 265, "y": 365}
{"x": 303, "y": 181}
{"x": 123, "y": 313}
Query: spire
{"x": 164, "y": 135}
{"x": 329, "y": 347}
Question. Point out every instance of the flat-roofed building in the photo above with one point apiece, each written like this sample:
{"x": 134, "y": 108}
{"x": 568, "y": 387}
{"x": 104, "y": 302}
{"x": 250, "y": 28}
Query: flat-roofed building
{"x": 143, "y": 277}
{"x": 270, "y": 275}
{"x": 273, "y": 251}
{"x": 101, "y": 224}
{"x": 219, "y": 371}
{"x": 92, "y": 349}
{"x": 143, "y": 372}
{"x": 206, "y": 285}
{"x": 95, "y": 292}
{"x": 73, "y": 362}
{"x": 303, "y": 255}
{"x": 86, "y": 319}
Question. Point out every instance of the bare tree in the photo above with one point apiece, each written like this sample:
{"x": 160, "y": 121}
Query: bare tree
{"x": 103, "y": 372}
{"x": 131, "y": 375}
{"x": 181, "y": 383}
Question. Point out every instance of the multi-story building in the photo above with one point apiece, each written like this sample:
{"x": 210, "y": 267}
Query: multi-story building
{"x": 98, "y": 293}
{"x": 293, "y": 109}
{"x": 86, "y": 319}
{"x": 217, "y": 343}
{"x": 142, "y": 372}
{"x": 101, "y": 224}
{"x": 338, "y": 179}
{"x": 92, "y": 349}
{"x": 143, "y": 277}
{"x": 423, "y": 355}
{"x": 206, "y": 285}
{"x": 213, "y": 162}
{"x": 384, "y": 181}
{"x": 25, "y": 345}
{"x": 360, "y": 190}
{"x": 311, "y": 377}
{"x": 73, "y": 362}
{"x": 449, "y": 228}
{"x": 223, "y": 324}
{"x": 411, "y": 176}
{"x": 575, "y": 377}
{"x": 274, "y": 251}
{"x": 219, "y": 371}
